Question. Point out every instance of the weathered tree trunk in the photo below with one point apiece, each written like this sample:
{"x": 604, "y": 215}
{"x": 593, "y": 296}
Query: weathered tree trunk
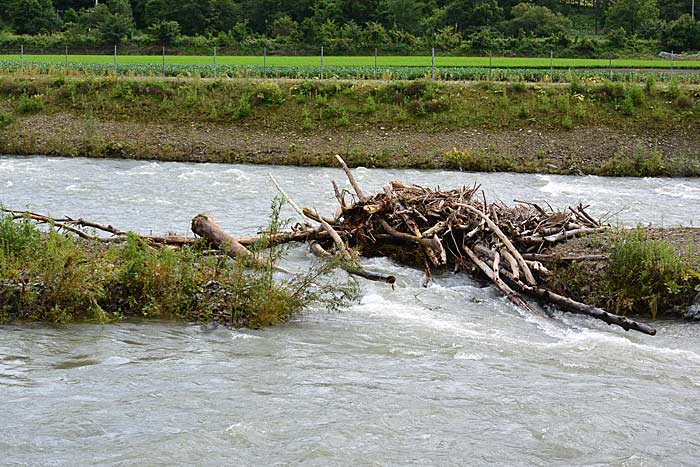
{"x": 204, "y": 226}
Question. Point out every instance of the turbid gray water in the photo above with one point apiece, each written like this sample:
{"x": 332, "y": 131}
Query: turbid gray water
{"x": 449, "y": 375}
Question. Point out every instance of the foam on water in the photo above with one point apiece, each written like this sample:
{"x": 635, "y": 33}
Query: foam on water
{"x": 680, "y": 190}
{"x": 583, "y": 187}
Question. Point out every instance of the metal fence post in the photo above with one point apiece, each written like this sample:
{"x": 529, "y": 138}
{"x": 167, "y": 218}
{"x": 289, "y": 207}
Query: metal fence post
{"x": 433, "y": 62}
{"x": 66, "y": 56}
{"x": 673, "y": 58}
{"x": 610, "y": 69}
{"x": 490, "y": 65}
{"x": 215, "y": 71}
{"x": 115, "y": 59}
{"x": 21, "y": 56}
{"x": 375, "y": 63}
{"x": 321, "y": 62}
{"x": 551, "y": 66}
{"x": 163, "y": 60}
{"x": 264, "y": 62}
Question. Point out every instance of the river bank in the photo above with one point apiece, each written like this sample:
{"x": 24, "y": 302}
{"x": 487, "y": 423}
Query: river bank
{"x": 584, "y": 128}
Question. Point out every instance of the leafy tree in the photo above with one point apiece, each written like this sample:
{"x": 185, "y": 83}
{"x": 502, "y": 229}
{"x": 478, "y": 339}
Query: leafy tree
{"x": 138, "y": 9}
{"x": 402, "y": 14}
{"x": 375, "y": 34}
{"x": 537, "y": 20}
{"x": 164, "y": 33}
{"x": 286, "y": 27}
{"x": 32, "y": 16}
{"x": 110, "y": 22}
{"x": 636, "y": 16}
{"x": 191, "y": 15}
{"x": 673, "y": 9}
{"x": 360, "y": 11}
{"x": 681, "y": 34}
{"x": 223, "y": 14}
{"x": 64, "y": 5}
{"x": 469, "y": 15}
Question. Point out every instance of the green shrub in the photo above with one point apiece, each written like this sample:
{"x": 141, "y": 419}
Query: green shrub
{"x": 610, "y": 90}
{"x": 244, "y": 107}
{"x": 649, "y": 274}
{"x": 684, "y": 101}
{"x": 482, "y": 161}
{"x": 17, "y": 238}
{"x": 576, "y": 87}
{"x": 567, "y": 123}
{"x": 30, "y": 104}
{"x": 563, "y": 102}
{"x": 307, "y": 123}
{"x": 638, "y": 164}
{"x": 674, "y": 89}
{"x": 48, "y": 276}
{"x": 6, "y": 119}
{"x": 636, "y": 94}
{"x": 650, "y": 85}
{"x": 370, "y": 106}
{"x": 627, "y": 106}
{"x": 268, "y": 93}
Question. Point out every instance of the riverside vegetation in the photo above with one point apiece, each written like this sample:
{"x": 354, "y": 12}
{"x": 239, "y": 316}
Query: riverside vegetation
{"x": 54, "y": 277}
{"x": 590, "y": 126}
{"x": 650, "y": 272}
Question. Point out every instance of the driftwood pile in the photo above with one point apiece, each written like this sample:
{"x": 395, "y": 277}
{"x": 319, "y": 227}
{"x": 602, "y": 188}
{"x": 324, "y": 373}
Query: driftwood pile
{"x": 457, "y": 230}
{"x": 461, "y": 231}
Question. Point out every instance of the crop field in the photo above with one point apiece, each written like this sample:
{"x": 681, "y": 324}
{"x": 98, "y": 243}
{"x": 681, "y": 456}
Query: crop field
{"x": 360, "y": 67}
{"x": 362, "y": 61}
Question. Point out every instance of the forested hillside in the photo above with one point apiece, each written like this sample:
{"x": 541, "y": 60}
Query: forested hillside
{"x": 568, "y": 27}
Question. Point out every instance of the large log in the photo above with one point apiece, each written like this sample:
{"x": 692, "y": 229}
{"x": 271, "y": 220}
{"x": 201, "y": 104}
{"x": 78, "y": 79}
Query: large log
{"x": 204, "y": 226}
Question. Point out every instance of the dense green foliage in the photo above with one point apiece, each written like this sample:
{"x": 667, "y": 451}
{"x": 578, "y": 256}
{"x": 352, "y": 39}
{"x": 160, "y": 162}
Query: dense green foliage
{"x": 648, "y": 275}
{"x": 48, "y": 276}
{"x": 569, "y": 27}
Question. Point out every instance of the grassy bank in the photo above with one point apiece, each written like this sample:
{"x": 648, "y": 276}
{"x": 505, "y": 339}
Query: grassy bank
{"x": 654, "y": 273}
{"x": 51, "y": 277}
{"x": 586, "y": 127}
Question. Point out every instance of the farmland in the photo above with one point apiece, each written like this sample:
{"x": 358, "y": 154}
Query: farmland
{"x": 362, "y": 61}
{"x": 360, "y": 67}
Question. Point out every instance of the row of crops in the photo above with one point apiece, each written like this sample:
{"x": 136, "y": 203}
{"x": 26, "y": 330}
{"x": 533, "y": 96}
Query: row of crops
{"x": 346, "y": 72}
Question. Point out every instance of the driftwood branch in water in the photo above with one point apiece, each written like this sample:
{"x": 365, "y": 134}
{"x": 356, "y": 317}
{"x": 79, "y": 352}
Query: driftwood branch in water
{"x": 572, "y": 306}
{"x": 320, "y": 252}
{"x": 351, "y": 178}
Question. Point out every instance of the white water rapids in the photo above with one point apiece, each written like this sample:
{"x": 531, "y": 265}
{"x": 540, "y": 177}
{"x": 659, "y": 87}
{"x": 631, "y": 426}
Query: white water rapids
{"x": 449, "y": 375}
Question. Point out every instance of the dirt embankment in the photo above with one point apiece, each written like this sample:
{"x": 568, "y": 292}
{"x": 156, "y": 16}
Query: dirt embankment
{"x": 580, "y": 150}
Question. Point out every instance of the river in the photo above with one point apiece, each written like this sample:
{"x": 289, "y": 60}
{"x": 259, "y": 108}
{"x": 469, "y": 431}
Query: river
{"x": 449, "y": 375}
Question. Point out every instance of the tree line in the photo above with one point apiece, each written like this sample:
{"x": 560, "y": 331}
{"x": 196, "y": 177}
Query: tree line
{"x": 573, "y": 27}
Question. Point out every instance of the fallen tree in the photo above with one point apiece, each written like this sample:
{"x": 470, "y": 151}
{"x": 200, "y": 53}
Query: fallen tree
{"x": 458, "y": 230}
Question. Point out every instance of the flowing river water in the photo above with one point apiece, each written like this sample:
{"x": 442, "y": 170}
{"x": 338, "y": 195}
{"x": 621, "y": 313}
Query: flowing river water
{"x": 448, "y": 375}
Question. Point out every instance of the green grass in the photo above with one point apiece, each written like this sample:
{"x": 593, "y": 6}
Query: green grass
{"x": 361, "y": 61}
